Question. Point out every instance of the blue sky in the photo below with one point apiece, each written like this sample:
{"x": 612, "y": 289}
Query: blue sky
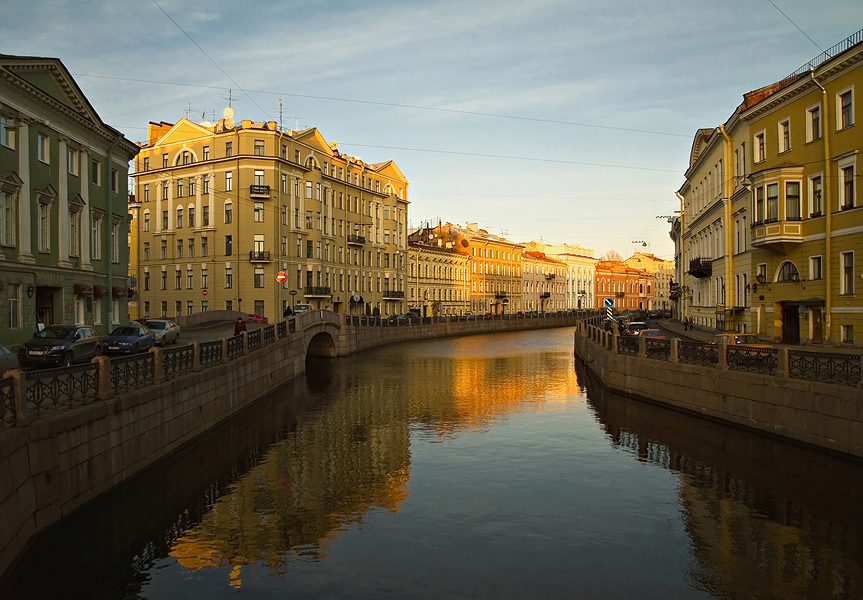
{"x": 568, "y": 121}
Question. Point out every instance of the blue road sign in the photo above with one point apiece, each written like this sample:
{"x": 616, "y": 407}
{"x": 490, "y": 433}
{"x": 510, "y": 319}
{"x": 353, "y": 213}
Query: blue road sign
{"x": 609, "y": 302}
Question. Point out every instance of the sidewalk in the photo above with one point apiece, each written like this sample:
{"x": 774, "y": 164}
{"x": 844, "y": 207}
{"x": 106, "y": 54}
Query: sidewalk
{"x": 695, "y": 332}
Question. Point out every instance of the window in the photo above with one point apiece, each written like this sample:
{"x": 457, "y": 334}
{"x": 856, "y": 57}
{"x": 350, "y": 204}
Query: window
{"x": 205, "y": 216}
{"x": 847, "y": 333}
{"x": 296, "y": 156}
{"x": 96, "y": 171}
{"x": 259, "y": 147}
{"x": 204, "y": 306}
{"x": 845, "y": 109}
{"x": 164, "y": 191}
{"x": 259, "y": 307}
{"x": 229, "y": 181}
{"x": 164, "y": 280}
{"x": 146, "y": 165}
{"x": 179, "y": 217}
{"x": 42, "y": 147}
{"x": 163, "y": 252}
{"x": 191, "y": 187}
{"x": 308, "y": 190}
{"x": 792, "y": 200}
{"x": 96, "y": 238}
{"x": 784, "y": 135}
{"x": 146, "y": 281}
{"x": 178, "y": 307}
{"x": 229, "y": 212}
{"x": 191, "y": 216}
{"x": 72, "y": 161}
{"x": 164, "y": 219}
{"x": 229, "y": 277}
{"x": 284, "y": 183}
{"x": 788, "y": 272}
{"x": 259, "y": 212}
{"x": 846, "y": 187}
{"x": 284, "y": 214}
{"x": 229, "y": 149}
{"x": 206, "y": 184}
{"x": 309, "y": 220}
{"x": 7, "y": 133}
{"x": 206, "y": 153}
{"x": 191, "y": 247}
{"x": 146, "y": 220}
{"x": 813, "y": 123}
{"x": 228, "y": 245}
{"x": 259, "y": 277}
{"x": 760, "y": 152}
{"x": 284, "y": 152}
{"x": 75, "y": 231}
{"x": 310, "y": 249}
{"x": 846, "y": 282}
{"x": 204, "y": 279}
{"x": 205, "y": 249}
{"x": 7, "y": 219}
{"x": 185, "y": 157}
{"x": 179, "y": 249}
{"x": 772, "y": 202}
{"x": 815, "y": 204}
{"x": 177, "y": 279}
{"x": 146, "y": 192}
{"x": 189, "y": 279}
{"x": 146, "y": 250}
{"x": 814, "y": 268}
{"x": 44, "y": 227}
{"x": 164, "y": 161}
{"x": 190, "y": 307}
{"x": 259, "y": 177}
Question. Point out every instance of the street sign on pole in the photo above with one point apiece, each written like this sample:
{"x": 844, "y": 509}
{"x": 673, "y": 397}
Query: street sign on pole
{"x": 608, "y": 302}
{"x": 204, "y": 292}
{"x": 280, "y": 276}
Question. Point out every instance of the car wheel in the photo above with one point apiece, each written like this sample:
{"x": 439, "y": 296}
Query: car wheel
{"x": 67, "y": 360}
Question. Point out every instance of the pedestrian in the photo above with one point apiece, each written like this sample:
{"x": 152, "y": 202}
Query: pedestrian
{"x": 685, "y": 323}
{"x": 239, "y": 326}
{"x": 289, "y": 312}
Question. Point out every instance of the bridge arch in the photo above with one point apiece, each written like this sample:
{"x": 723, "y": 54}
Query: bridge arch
{"x": 321, "y": 344}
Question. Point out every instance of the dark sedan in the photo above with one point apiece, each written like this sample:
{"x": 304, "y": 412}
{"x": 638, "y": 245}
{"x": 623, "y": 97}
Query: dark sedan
{"x": 58, "y": 345}
{"x": 129, "y": 339}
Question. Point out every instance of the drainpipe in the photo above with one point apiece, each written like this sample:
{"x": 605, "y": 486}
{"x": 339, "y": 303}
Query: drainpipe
{"x": 828, "y": 221}
{"x": 682, "y": 260}
{"x": 728, "y": 185}
{"x": 110, "y": 194}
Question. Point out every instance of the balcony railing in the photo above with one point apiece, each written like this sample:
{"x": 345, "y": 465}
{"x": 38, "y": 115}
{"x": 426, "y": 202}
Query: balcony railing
{"x": 550, "y": 276}
{"x": 394, "y": 294}
{"x": 259, "y": 191}
{"x": 500, "y": 294}
{"x": 259, "y": 256}
{"x": 316, "y": 290}
{"x": 545, "y": 295}
{"x": 700, "y": 267}
{"x": 358, "y": 240}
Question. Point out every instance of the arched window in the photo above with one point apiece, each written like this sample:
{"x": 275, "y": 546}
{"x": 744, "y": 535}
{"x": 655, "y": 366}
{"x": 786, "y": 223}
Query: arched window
{"x": 788, "y": 272}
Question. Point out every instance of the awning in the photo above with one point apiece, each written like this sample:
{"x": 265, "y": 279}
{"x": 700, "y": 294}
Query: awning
{"x": 100, "y": 291}
{"x": 83, "y": 289}
{"x": 119, "y": 292}
{"x": 806, "y": 302}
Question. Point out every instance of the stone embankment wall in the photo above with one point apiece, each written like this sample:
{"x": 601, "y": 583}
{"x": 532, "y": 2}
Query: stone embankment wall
{"x": 825, "y": 415}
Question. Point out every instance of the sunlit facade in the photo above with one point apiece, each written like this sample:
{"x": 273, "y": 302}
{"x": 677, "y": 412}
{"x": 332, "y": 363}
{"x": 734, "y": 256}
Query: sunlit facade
{"x": 438, "y": 276}
{"x": 628, "y": 288}
{"x": 544, "y": 287}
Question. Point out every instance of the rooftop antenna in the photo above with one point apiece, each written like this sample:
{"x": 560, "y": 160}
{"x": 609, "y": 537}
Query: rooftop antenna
{"x": 280, "y": 115}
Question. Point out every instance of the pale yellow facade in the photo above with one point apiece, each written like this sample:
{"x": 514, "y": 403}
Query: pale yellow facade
{"x": 544, "y": 287}
{"x": 226, "y": 207}
{"x": 580, "y": 268}
{"x": 438, "y": 276}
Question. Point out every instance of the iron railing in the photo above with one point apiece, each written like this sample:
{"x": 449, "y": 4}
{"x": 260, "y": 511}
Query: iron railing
{"x": 752, "y": 359}
{"x": 210, "y": 353}
{"x": 697, "y": 353}
{"x": 235, "y": 346}
{"x": 7, "y": 402}
{"x": 627, "y": 345}
{"x": 657, "y": 349}
{"x": 177, "y": 361}
{"x": 60, "y": 388}
{"x": 269, "y": 334}
{"x": 281, "y": 329}
{"x": 829, "y": 367}
{"x": 130, "y": 372}
{"x": 254, "y": 339}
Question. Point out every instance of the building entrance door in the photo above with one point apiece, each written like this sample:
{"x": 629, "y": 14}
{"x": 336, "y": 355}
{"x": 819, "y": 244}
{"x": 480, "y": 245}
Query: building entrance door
{"x": 790, "y": 324}
{"x": 45, "y": 305}
{"x": 817, "y": 331}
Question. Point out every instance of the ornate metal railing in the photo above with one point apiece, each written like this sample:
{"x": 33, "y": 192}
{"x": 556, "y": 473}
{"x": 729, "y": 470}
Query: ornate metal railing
{"x": 829, "y": 367}
{"x": 133, "y": 371}
{"x": 254, "y": 339}
{"x": 235, "y": 346}
{"x": 210, "y": 353}
{"x": 627, "y": 345}
{"x": 60, "y": 388}
{"x": 7, "y": 402}
{"x": 658, "y": 349}
{"x": 697, "y": 353}
{"x": 292, "y": 326}
{"x": 281, "y": 329}
{"x": 753, "y": 359}
{"x": 177, "y": 361}
{"x": 269, "y": 334}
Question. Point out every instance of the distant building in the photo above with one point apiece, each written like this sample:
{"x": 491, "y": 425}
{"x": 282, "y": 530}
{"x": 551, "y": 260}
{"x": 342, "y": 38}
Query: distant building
{"x": 63, "y": 203}
{"x": 438, "y": 275}
{"x": 580, "y": 267}
{"x": 663, "y": 273}
{"x": 544, "y": 286}
{"x": 628, "y": 288}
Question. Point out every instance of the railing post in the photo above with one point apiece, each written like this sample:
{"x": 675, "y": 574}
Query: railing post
{"x": 860, "y": 383}
{"x": 245, "y": 338}
{"x": 158, "y": 365}
{"x": 783, "y": 369}
{"x": 675, "y": 350}
{"x": 642, "y": 346}
{"x": 722, "y": 351}
{"x": 224, "y": 350}
{"x": 196, "y": 357}
{"x": 104, "y": 385}
{"x": 19, "y": 381}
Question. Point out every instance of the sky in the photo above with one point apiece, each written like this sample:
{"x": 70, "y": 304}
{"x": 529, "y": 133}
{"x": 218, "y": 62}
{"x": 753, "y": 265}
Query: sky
{"x": 564, "y": 121}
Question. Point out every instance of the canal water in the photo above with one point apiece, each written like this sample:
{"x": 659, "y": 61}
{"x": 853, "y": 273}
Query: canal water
{"x": 481, "y": 467}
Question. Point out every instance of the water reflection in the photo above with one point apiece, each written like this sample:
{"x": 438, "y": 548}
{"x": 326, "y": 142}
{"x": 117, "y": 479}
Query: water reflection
{"x": 765, "y": 518}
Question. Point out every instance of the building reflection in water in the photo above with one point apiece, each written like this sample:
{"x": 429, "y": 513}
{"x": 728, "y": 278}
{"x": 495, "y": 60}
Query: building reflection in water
{"x": 765, "y": 519}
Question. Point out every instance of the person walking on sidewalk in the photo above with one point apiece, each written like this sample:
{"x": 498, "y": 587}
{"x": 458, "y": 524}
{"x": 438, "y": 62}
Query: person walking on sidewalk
{"x": 685, "y": 323}
{"x": 239, "y": 326}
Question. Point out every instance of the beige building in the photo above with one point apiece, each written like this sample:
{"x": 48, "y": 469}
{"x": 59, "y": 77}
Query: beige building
{"x": 438, "y": 276}
{"x": 544, "y": 286}
{"x": 225, "y": 207}
{"x": 663, "y": 273}
{"x": 580, "y": 267}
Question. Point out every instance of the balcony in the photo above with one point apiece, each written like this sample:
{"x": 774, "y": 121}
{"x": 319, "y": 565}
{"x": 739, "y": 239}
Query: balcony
{"x": 317, "y": 291}
{"x": 394, "y": 294}
{"x": 620, "y": 294}
{"x": 549, "y": 276}
{"x": 700, "y": 267}
{"x": 259, "y": 256}
{"x": 781, "y": 236}
{"x": 259, "y": 191}
{"x": 545, "y": 295}
{"x": 356, "y": 240}
{"x": 500, "y": 294}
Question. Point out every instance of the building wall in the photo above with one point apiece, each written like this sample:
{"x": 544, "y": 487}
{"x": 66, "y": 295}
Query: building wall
{"x": 438, "y": 278}
{"x": 544, "y": 286}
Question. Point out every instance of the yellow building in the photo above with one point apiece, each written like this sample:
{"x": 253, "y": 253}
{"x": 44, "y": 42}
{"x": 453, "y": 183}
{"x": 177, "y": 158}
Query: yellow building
{"x": 544, "y": 285}
{"x": 580, "y": 267}
{"x": 132, "y": 236}
{"x": 225, "y": 207}
{"x": 438, "y": 276}
{"x": 807, "y": 214}
{"x": 662, "y": 271}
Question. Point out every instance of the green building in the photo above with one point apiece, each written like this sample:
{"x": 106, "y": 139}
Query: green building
{"x": 63, "y": 204}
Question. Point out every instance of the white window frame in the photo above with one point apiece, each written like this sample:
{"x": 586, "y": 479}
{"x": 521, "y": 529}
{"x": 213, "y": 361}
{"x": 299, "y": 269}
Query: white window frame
{"x": 810, "y": 193}
{"x": 843, "y": 288}
{"x": 72, "y": 161}
{"x": 43, "y": 229}
{"x": 759, "y": 147}
{"x": 96, "y": 236}
{"x": 842, "y": 165}
{"x": 840, "y": 124}
{"x": 258, "y": 212}
{"x": 811, "y": 134}
{"x": 799, "y": 199}
{"x": 783, "y": 132}
{"x": 229, "y": 181}
{"x": 7, "y": 218}
{"x": 816, "y": 274}
{"x": 15, "y": 316}
{"x": 7, "y": 133}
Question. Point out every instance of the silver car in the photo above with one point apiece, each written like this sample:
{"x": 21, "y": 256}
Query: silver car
{"x": 167, "y": 332}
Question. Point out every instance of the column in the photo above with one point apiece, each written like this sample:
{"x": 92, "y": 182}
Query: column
{"x": 63, "y": 204}
{"x": 25, "y": 224}
{"x": 86, "y": 226}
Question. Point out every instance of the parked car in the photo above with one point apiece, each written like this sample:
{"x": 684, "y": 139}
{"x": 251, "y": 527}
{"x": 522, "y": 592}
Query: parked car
{"x": 257, "y": 319}
{"x": 129, "y": 339}
{"x": 747, "y": 339}
{"x": 635, "y": 326}
{"x": 654, "y": 334}
{"x": 298, "y": 308}
{"x": 8, "y": 360}
{"x": 167, "y": 332}
{"x": 57, "y": 345}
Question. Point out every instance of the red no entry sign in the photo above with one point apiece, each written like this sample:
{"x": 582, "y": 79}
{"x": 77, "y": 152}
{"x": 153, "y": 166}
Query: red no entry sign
{"x": 280, "y": 276}
{"x": 203, "y": 292}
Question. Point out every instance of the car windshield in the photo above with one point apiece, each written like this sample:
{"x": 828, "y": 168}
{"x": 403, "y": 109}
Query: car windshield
{"x": 157, "y": 324}
{"x": 53, "y": 333}
{"x": 125, "y": 331}
{"x": 651, "y": 333}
